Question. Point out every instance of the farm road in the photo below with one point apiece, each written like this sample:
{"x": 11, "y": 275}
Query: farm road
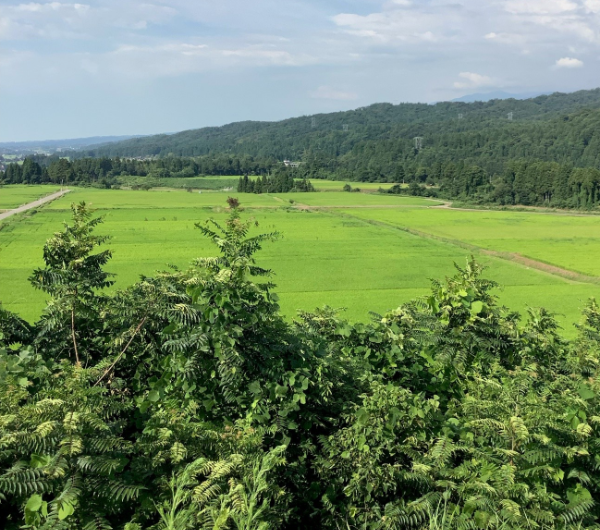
{"x": 34, "y": 204}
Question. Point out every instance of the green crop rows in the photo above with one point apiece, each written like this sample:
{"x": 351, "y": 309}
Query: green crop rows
{"x": 360, "y": 257}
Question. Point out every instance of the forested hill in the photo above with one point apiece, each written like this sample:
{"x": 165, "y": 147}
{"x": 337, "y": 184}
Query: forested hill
{"x": 450, "y": 130}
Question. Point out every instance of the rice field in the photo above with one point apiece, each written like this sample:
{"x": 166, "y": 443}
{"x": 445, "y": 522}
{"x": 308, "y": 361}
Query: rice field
{"x": 355, "y": 254}
{"x": 338, "y": 185}
{"x": 16, "y": 195}
{"x": 204, "y": 183}
{"x": 568, "y": 241}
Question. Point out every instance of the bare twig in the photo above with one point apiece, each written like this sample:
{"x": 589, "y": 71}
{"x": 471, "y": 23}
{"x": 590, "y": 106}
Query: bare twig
{"x": 107, "y": 371}
{"x": 73, "y": 336}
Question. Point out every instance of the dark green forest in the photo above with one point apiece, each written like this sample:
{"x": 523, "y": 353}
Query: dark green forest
{"x": 466, "y": 125}
{"x": 186, "y": 401}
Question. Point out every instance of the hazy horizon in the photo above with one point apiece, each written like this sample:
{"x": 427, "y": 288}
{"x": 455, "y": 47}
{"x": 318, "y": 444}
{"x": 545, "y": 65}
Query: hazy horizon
{"x": 131, "y": 135}
{"x": 112, "y": 68}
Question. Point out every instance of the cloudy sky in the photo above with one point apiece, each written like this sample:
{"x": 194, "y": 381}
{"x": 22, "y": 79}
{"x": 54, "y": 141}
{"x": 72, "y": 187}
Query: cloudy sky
{"x": 104, "y": 67}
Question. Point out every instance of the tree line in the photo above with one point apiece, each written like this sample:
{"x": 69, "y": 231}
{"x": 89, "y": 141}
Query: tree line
{"x": 105, "y": 171}
{"x": 187, "y": 401}
{"x": 282, "y": 181}
{"x": 521, "y": 182}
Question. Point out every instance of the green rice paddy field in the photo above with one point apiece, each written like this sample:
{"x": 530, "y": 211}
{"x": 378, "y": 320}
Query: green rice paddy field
{"x": 355, "y": 254}
{"x": 13, "y": 196}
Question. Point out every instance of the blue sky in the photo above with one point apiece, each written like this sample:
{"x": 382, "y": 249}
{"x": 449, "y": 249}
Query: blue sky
{"x": 109, "y": 67}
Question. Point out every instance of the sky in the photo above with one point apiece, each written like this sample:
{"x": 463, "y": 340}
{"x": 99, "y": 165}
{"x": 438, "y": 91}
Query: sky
{"x": 116, "y": 67}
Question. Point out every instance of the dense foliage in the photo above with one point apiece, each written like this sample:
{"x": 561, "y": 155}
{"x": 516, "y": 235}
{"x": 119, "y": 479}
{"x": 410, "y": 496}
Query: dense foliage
{"x": 186, "y": 401}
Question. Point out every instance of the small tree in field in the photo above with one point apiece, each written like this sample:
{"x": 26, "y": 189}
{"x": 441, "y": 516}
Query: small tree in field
{"x": 233, "y": 203}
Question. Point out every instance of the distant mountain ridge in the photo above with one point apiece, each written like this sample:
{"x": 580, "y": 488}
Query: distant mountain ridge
{"x": 70, "y": 143}
{"x": 338, "y": 133}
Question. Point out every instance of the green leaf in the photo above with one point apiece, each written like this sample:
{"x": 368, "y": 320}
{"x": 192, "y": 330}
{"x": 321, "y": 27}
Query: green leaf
{"x": 586, "y": 392}
{"x": 481, "y": 519}
{"x": 578, "y": 494}
{"x": 476, "y": 307}
{"x": 34, "y": 503}
{"x": 433, "y": 304}
{"x": 170, "y": 328}
{"x": 362, "y": 416}
{"x": 153, "y": 396}
{"x": 39, "y": 460}
{"x": 65, "y": 510}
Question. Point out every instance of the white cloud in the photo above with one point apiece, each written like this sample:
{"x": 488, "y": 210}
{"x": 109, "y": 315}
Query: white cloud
{"x": 176, "y": 58}
{"x": 575, "y": 17}
{"x": 541, "y": 7}
{"x": 568, "y": 62}
{"x": 326, "y": 92}
{"x": 514, "y": 39}
{"x": 405, "y": 23}
{"x": 56, "y": 20}
{"x": 592, "y": 5}
{"x": 473, "y": 80}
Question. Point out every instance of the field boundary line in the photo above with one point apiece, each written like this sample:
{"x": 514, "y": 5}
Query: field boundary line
{"x": 540, "y": 210}
{"x": 34, "y": 204}
{"x": 513, "y": 257}
{"x": 301, "y": 206}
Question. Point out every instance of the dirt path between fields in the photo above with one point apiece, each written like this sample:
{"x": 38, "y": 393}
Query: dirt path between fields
{"x": 511, "y": 256}
{"x": 34, "y": 204}
{"x": 360, "y": 206}
{"x": 447, "y": 205}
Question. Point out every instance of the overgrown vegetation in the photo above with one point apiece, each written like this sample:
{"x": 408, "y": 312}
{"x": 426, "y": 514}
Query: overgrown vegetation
{"x": 186, "y": 401}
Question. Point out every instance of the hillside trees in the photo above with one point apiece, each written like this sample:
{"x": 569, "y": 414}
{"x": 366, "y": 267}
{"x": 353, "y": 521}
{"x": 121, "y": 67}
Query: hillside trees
{"x": 194, "y": 404}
